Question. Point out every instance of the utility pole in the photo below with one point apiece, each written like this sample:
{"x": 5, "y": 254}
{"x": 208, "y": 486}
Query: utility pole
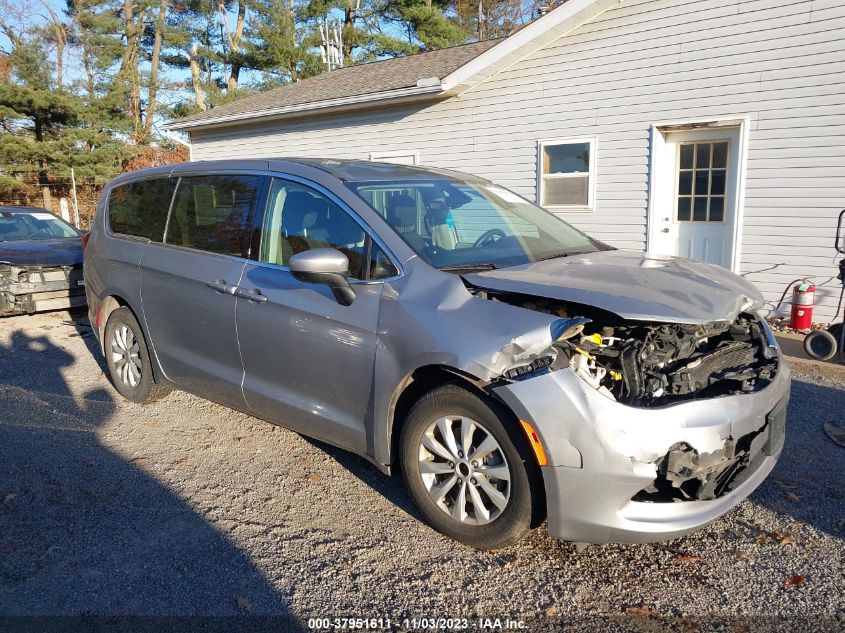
{"x": 331, "y": 46}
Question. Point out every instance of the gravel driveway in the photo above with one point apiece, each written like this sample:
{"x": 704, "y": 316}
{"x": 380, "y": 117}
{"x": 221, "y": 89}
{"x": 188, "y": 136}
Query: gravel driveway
{"x": 184, "y": 507}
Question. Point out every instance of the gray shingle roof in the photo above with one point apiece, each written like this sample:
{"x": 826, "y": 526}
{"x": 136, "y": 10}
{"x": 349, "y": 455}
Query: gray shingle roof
{"x": 353, "y": 81}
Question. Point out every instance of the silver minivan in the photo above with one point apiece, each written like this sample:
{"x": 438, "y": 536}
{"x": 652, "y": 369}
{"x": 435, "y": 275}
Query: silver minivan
{"x": 511, "y": 367}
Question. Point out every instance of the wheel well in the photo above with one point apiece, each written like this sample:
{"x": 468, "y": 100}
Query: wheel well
{"x": 109, "y": 305}
{"x": 420, "y": 382}
{"x": 423, "y": 380}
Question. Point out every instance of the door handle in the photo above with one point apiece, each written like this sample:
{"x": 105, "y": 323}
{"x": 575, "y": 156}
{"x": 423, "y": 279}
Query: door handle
{"x": 221, "y": 286}
{"x": 253, "y": 295}
{"x": 666, "y": 230}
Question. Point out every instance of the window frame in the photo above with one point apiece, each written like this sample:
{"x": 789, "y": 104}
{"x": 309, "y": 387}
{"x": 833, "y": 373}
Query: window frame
{"x": 260, "y": 203}
{"x": 592, "y": 141}
{"x": 128, "y": 236}
{"x": 371, "y": 236}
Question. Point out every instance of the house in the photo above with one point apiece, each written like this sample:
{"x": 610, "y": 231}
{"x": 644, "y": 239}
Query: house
{"x": 713, "y": 129}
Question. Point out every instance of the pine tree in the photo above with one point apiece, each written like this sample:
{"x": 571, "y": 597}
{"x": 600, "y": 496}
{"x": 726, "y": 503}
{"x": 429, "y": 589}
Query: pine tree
{"x": 46, "y": 128}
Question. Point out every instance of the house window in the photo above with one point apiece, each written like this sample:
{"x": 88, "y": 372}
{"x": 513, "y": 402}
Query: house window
{"x": 567, "y": 173}
{"x": 702, "y": 178}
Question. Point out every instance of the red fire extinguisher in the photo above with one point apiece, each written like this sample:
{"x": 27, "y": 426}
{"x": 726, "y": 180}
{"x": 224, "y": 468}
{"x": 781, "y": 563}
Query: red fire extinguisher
{"x": 803, "y": 295}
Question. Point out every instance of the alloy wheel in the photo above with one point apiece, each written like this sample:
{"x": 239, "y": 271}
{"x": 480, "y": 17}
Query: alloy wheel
{"x": 126, "y": 356}
{"x": 464, "y": 470}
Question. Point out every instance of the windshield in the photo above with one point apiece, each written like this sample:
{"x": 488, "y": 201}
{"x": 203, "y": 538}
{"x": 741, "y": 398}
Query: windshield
{"x": 33, "y": 226}
{"x": 456, "y": 225}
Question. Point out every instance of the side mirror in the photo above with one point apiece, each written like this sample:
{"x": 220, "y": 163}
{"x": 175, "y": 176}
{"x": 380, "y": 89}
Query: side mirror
{"x": 326, "y": 266}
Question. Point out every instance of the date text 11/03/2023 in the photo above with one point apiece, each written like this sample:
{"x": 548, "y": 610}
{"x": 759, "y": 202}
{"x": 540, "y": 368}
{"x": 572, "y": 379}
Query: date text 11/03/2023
{"x": 420, "y": 624}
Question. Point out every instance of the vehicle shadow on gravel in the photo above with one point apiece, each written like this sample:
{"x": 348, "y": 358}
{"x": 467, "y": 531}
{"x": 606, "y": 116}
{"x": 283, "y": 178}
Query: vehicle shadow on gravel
{"x": 391, "y": 488}
{"x": 85, "y": 531}
{"x": 807, "y": 482}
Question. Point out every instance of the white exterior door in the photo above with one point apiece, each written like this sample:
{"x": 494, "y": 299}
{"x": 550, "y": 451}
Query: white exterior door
{"x": 694, "y": 213}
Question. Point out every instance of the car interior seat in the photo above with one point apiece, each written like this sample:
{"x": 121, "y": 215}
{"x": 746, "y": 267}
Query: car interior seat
{"x": 402, "y": 215}
{"x": 299, "y": 216}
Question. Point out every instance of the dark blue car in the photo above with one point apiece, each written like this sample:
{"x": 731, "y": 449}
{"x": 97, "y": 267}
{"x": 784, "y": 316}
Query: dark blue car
{"x": 40, "y": 262}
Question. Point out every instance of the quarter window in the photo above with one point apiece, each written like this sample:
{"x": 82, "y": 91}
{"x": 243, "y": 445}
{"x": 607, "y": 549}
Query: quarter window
{"x": 140, "y": 208}
{"x": 214, "y": 213}
{"x": 702, "y": 177}
{"x": 300, "y": 218}
{"x": 567, "y": 173}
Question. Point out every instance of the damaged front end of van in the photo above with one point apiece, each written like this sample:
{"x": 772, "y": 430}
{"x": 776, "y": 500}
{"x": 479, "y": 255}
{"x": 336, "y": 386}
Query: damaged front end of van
{"x": 658, "y": 410}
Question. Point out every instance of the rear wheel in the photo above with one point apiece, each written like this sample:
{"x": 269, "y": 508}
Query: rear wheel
{"x": 128, "y": 359}
{"x": 468, "y": 470}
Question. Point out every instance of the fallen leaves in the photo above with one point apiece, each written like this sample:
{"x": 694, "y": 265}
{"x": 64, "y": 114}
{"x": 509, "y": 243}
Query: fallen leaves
{"x": 244, "y": 604}
{"x": 9, "y": 497}
{"x": 794, "y": 581}
{"x": 688, "y": 558}
{"x": 551, "y": 611}
{"x": 786, "y": 484}
{"x": 774, "y": 537}
{"x": 791, "y": 496}
{"x": 642, "y": 612}
{"x": 783, "y": 539}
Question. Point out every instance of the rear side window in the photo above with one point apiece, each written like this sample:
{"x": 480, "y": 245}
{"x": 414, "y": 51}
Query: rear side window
{"x": 140, "y": 208}
{"x": 214, "y": 213}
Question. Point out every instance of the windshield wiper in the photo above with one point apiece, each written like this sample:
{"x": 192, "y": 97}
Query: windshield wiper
{"x": 468, "y": 267}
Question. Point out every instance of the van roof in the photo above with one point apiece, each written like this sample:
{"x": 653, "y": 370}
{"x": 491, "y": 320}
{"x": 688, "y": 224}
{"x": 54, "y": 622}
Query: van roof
{"x": 342, "y": 169}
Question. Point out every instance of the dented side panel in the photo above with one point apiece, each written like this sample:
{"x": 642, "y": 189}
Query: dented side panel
{"x": 428, "y": 318}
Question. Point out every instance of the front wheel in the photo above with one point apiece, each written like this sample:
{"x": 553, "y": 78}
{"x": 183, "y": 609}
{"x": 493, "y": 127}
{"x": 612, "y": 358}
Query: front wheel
{"x": 468, "y": 470}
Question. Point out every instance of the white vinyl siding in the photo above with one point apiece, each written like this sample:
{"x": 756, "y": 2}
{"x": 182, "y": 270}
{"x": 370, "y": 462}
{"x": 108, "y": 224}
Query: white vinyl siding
{"x": 777, "y": 62}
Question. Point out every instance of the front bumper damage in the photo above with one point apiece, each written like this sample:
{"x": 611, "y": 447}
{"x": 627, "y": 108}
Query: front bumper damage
{"x": 623, "y": 474}
{"x": 28, "y": 289}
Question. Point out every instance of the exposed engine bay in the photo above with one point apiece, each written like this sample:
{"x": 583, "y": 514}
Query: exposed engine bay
{"x": 645, "y": 364}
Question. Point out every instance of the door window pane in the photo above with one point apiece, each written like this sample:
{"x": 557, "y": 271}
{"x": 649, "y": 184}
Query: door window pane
{"x": 702, "y": 177}
{"x": 140, "y": 208}
{"x": 300, "y": 218}
{"x": 380, "y": 265}
{"x": 702, "y": 182}
{"x": 717, "y": 208}
{"x": 720, "y": 155}
{"x": 699, "y": 209}
{"x": 214, "y": 213}
{"x": 702, "y": 155}
{"x": 684, "y": 209}
{"x": 687, "y": 153}
{"x": 717, "y": 182}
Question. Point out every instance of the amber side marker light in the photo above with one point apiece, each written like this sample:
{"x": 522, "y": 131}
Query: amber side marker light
{"x": 536, "y": 444}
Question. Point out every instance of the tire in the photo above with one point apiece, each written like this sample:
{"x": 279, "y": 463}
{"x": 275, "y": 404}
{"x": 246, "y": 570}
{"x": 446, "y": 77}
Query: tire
{"x": 128, "y": 359}
{"x": 820, "y": 345}
{"x": 492, "y": 524}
